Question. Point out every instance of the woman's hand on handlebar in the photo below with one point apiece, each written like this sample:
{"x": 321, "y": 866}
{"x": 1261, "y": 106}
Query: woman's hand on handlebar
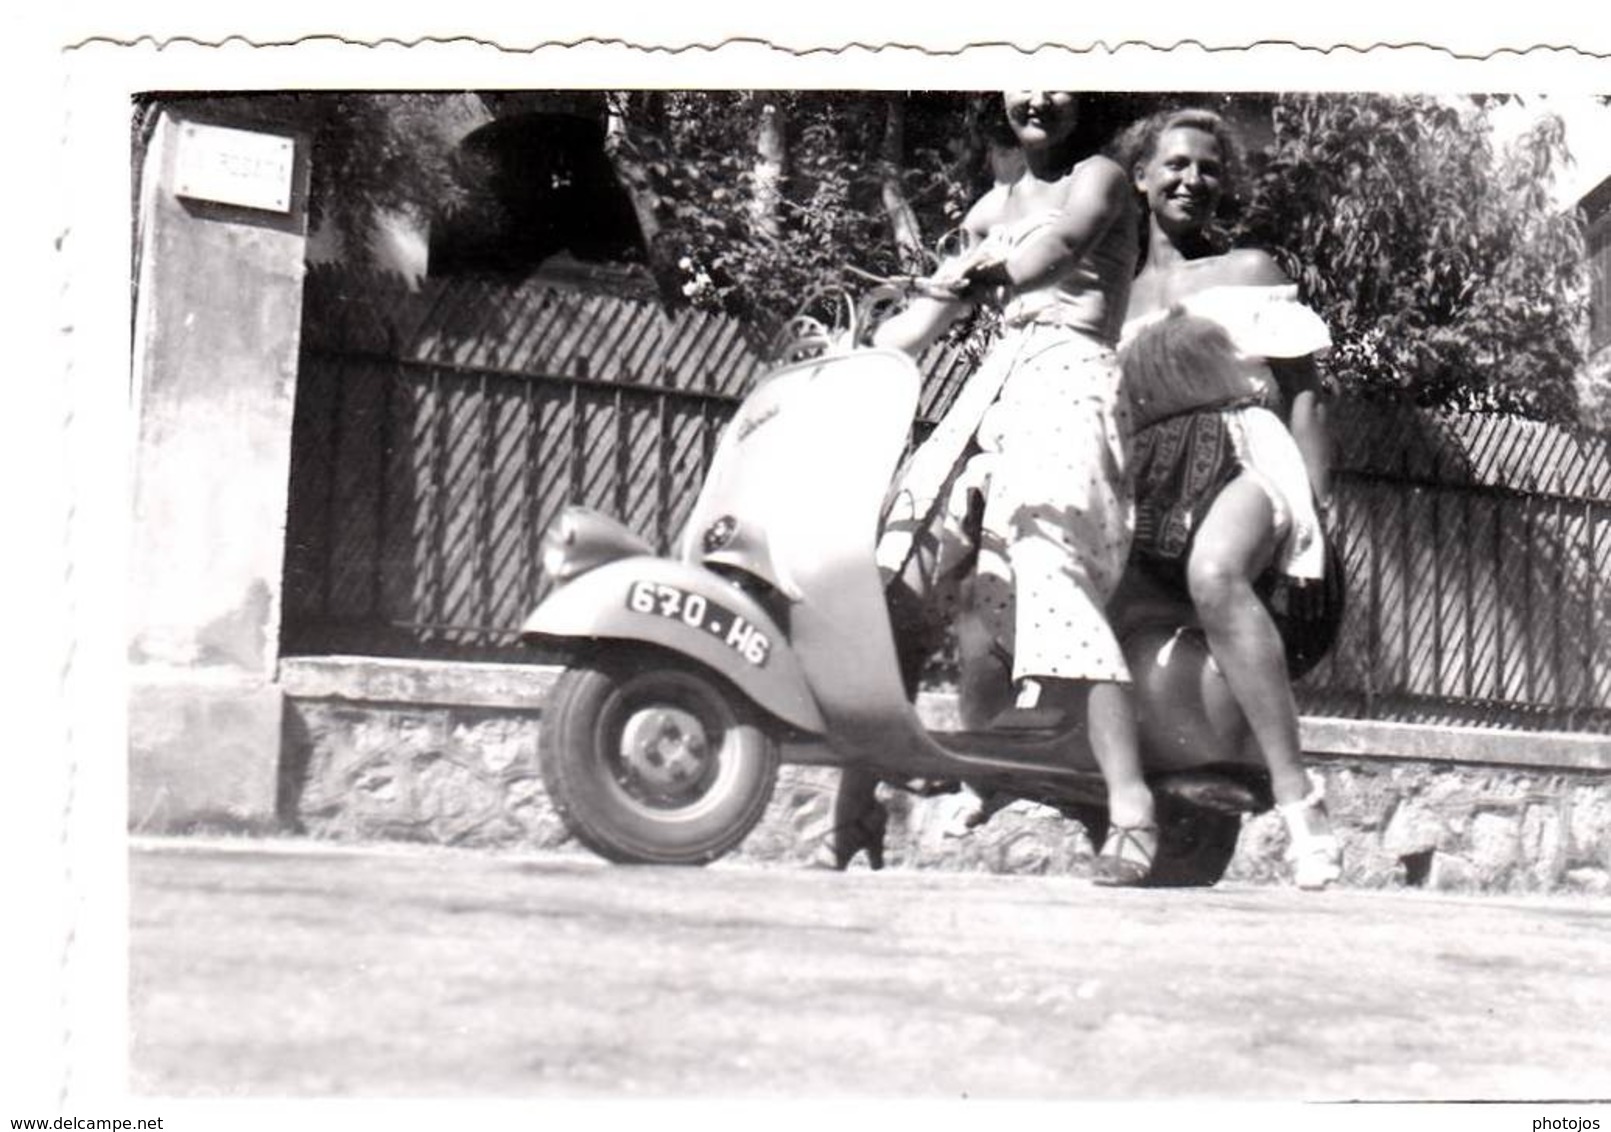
{"x": 970, "y": 279}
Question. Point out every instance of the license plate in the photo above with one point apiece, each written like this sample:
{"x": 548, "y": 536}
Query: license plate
{"x": 700, "y": 612}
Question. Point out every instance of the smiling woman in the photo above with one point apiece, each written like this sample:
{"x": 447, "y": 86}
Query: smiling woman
{"x": 1186, "y": 164}
{"x": 1015, "y": 514}
{"x": 1041, "y": 120}
{"x": 1216, "y": 356}
{"x": 1184, "y": 180}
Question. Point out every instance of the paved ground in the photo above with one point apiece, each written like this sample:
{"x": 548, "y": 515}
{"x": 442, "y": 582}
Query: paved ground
{"x": 294, "y": 969}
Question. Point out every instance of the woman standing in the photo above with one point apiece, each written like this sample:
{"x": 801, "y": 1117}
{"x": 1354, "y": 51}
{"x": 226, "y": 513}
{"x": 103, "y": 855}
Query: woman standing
{"x": 1215, "y": 345}
{"x": 1034, "y": 449}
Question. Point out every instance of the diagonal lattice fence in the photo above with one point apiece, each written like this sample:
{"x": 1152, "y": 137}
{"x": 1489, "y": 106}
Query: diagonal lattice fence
{"x": 438, "y": 433}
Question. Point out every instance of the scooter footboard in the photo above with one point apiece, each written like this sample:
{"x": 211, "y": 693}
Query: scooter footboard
{"x": 688, "y": 610}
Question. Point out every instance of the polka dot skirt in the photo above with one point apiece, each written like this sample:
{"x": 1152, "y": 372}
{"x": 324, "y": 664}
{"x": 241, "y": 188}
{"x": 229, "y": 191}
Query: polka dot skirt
{"x": 1058, "y": 513}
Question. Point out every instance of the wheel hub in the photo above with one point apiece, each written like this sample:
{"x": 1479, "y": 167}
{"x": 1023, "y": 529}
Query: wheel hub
{"x": 665, "y": 750}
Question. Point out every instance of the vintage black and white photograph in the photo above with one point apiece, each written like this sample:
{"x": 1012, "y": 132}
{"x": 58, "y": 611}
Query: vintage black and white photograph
{"x": 699, "y": 592}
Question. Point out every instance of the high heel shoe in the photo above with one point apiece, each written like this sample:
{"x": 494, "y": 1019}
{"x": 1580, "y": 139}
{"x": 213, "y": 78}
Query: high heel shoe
{"x": 1314, "y": 852}
{"x": 863, "y": 832}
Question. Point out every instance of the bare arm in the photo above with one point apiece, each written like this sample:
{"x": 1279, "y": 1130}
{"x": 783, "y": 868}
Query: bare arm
{"x": 1304, "y": 394}
{"x": 926, "y": 317}
{"x": 1308, "y": 410}
{"x": 916, "y": 327}
{"x": 1098, "y": 195}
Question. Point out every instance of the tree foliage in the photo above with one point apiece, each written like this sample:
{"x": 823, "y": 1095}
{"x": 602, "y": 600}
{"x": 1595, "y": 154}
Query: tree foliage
{"x": 1446, "y": 272}
{"x": 744, "y": 227}
{"x": 378, "y": 153}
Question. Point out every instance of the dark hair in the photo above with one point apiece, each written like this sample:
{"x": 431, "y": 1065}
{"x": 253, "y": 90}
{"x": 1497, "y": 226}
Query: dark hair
{"x": 1101, "y": 113}
{"x": 1138, "y": 142}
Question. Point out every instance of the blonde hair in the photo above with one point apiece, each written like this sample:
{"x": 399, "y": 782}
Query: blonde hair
{"x": 1138, "y": 142}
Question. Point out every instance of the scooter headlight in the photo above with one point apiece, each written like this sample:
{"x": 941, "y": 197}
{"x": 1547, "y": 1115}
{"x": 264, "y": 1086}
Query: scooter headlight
{"x": 719, "y": 534}
{"x": 581, "y": 539}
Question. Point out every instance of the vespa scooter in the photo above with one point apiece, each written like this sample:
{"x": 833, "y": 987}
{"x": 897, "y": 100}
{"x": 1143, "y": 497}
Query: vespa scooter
{"x": 765, "y": 638}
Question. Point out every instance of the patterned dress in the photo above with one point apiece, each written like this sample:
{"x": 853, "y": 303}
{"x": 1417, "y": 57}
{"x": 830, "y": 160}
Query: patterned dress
{"x": 1020, "y": 499}
{"x": 1201, "y": 392}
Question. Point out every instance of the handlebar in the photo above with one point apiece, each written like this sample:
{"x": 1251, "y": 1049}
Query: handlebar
{"x": 924, "y": 285}
{"x": 805, "y": 335}
{"x": 848, "y": 324}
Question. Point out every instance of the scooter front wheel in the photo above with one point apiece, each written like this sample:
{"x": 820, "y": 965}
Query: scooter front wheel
{"x": 649, "y": 760}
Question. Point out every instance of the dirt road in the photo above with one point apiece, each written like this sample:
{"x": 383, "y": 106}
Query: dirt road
{"x": 299, "y": 970}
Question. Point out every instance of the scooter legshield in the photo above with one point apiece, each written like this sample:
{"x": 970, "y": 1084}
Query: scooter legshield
{"x": 688, "y": 610}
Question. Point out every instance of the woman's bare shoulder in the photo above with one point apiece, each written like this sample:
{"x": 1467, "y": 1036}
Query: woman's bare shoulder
{"x": 988, "y": 211}
{"x": 1098, "y": 174}
{"x": 1098, "y": 165}
{"x": 1247, "y": 267}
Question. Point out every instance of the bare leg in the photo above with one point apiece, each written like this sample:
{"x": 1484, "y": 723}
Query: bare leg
{"x": 1235, "y": 544}
{"x": 984, "y": 677}
{"x": 1111, "y": 725}
{"x": 1126, "y": 857}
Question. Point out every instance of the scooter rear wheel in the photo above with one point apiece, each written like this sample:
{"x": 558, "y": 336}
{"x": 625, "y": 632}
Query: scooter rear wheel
{"x": 652, "y": 761}
{"x": 1195, "y": 844}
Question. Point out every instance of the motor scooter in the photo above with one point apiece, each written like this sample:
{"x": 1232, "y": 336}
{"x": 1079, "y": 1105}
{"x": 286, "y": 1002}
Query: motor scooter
{"x": 765, "y": 637}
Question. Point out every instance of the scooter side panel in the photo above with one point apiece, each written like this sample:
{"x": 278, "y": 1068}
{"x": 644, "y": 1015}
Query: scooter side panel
{"x": 1186, "y": 713}
{"x": 848, "y": 438}
{"x": 688, "y": 610}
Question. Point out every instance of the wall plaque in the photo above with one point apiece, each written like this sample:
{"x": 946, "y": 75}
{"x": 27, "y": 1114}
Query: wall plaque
{"x": 238, "y": 167}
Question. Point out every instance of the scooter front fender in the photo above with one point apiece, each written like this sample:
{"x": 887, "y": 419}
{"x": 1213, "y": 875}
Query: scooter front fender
{"x": 689, "y": 610}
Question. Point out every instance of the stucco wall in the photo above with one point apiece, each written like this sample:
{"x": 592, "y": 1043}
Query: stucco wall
{"x": 217, "y": 328}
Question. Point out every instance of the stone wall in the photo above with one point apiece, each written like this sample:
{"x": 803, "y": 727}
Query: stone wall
{"x": 467, "y": 774}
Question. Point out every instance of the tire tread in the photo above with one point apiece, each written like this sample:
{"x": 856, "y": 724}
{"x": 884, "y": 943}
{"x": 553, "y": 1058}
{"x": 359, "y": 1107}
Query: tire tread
{"x": 578, "y": 695}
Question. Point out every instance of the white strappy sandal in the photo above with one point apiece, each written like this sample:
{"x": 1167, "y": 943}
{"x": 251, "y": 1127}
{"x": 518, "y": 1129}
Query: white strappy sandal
{"x": 1316, "y": 856}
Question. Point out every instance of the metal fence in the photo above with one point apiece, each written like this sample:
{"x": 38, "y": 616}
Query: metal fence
{"x": 438, "y": 432}
{"x": 1478, "y": 557}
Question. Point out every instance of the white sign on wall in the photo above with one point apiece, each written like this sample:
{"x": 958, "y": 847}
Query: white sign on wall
{"x": 239, "y": 167}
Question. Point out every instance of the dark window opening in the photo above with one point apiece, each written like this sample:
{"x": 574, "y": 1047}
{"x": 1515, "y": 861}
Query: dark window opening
{"x": 549, "y": 191}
